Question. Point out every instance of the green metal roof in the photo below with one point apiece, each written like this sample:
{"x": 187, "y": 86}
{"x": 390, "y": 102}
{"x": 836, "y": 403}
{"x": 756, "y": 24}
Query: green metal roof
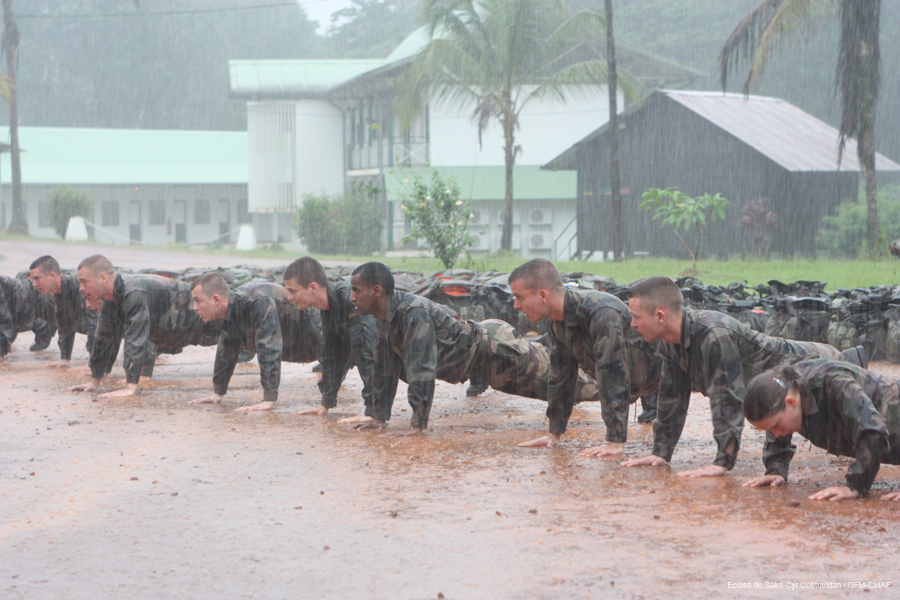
{"x": 128, "y": 156}
{"x": 255, "y": 78}
{"x": 489, "y": 183}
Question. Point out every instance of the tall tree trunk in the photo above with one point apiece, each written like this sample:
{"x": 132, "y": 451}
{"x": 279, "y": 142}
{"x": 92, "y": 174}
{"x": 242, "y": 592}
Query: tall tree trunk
{"x": 617, "y": 242}
{"x": 509, "y": 150}
{"x": 18, "y": 224}
{"x": 865, "y": 147}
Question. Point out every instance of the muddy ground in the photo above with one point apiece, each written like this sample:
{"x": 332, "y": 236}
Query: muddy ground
{"x": 155, "y": 498}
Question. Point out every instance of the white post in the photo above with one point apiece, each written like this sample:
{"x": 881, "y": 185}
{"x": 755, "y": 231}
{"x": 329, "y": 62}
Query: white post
{"x": 246, "y": 239}
{"x": 76, "y": 230}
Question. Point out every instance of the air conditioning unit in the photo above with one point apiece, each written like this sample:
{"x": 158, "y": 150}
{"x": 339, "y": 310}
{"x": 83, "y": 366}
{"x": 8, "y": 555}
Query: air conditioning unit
{"x": 516, "y": 217}
{"x": 539, "y": 241}
{"x": 537, "y": 216}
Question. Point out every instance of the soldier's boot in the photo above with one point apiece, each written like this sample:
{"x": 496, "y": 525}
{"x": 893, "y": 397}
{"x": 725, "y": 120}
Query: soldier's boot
{"x": 648, "y": 415}
{"x": 43, "y": 333}
{"x": 317, "y": 368}
{"x": 477, "y": 385}
{"x": 246, "y": 355}
{"x": 858, "y": 356}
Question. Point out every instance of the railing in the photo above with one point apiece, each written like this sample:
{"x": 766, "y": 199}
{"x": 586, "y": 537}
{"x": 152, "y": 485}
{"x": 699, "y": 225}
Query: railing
{"x": 567, "y": 251}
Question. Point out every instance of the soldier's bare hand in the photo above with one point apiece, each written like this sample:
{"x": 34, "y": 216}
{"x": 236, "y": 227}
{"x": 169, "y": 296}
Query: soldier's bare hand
{"x": 123, "y": 393}
{"x": 83, "y": 387}
{"x": 214, "y": 399}
{"x": 892, "y": 496}
{"x": 835, "y": 492}
{"x": 373, "y": 424}
{"x": 547, "y": 441}
{"x": 412, "y": 431}
{"x": 255, "y": 407}
{"x": 764, "y": 481}
{"x": 646, "y": 461}
{"x": 57, "y": 364}
{"x": 317, "y": 411}
{"x": 611, "y": 449}
{"x": 355, "y": 419}
{"x": 707, "y": 471}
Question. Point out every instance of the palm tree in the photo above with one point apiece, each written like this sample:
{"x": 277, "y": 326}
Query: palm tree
{"x": 18, "y": 224}
{"x": 500, "y": 55}
{"x": 773, "y": 22}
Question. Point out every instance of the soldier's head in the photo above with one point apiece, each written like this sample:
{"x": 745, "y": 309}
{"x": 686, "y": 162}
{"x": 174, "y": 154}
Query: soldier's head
{"x": 371, "y": 286}
{"x": 772, "y": 402}
{"x": 655, "y": 307}
{"x": 210, "y": 293}
{"x": 537, "y": 287}
{"x": 307, "y": 283}
{"x": 45, "y": 274}
{"x": 96, "y": 278}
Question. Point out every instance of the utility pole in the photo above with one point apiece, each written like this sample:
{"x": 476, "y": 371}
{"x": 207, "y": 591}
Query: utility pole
{"x": 18, "y": 224}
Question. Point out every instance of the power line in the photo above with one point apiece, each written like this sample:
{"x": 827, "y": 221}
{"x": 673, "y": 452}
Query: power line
{"x": 167, "y": 13}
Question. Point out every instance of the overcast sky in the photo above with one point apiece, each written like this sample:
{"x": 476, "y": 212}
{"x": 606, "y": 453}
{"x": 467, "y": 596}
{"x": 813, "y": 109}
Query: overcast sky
{"x": 321, "y": 10}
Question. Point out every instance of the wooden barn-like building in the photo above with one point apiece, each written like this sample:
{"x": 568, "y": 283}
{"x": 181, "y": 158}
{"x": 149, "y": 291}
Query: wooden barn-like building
{"x": 743, "y": 147}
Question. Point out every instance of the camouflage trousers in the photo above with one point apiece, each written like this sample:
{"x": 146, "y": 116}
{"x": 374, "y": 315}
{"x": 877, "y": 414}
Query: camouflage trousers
{"x": 513, "y": 365}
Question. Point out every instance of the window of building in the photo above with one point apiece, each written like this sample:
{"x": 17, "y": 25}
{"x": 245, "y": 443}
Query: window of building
{"x": 157, "y": 212}
{"x": 243, "y": 215}
{"x": 201, "y": 212}
{"x": 110, "y": 213}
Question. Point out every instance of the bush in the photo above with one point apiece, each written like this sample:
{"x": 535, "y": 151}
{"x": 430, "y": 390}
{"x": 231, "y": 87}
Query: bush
{"x": 844, "y": 233}
{"x": 343, "y": 224}
{"x": 65, "y": 202}
{"x": 438, "y": 216}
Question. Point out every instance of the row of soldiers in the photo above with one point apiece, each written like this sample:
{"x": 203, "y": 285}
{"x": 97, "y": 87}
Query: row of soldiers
{"x": 597, "y": 347}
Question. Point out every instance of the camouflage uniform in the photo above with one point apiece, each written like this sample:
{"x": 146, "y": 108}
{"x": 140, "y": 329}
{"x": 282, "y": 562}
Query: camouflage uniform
{"x": 7, "y": 333}
{"x": 28, "y": 311}
{"x": 261, "y": 318}
{"x": 596, "y": 334}
{"x": 144, "y": 309}
{"x": 72, "y": 316}
{"x": 349, "y": 338}
{"x": 717, "y": 356}
{"x": 848, "y": 411}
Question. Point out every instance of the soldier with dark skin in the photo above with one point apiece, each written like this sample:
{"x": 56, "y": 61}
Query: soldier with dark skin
{"x": 711, "y": 352}
{"x": 257, "y": 316}
{"x": 838, "y": 406}
{"x": 140, "y": 311}
{"x": 590, "y": 330}
{"x": 72, "y": 315}
{"x": 349, "y": 337}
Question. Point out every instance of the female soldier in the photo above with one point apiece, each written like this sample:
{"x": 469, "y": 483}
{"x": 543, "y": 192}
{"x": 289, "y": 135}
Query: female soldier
{"x": 835, "y": 405}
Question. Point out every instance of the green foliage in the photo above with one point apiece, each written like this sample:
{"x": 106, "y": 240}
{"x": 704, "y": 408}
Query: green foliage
{"x": 678, "y": 210}
{"x": 437, "y": 215}
{"x": 66, "y": 202}
{"x": 344, "y": 224}
{"x": 844, "y": 233}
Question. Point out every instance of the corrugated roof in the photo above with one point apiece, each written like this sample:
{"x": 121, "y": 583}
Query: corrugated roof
{"x": 129, "y": 156}
{"x": 785, "y": 134}
{"x": 281, "y": 78}
{"x": 489, "y": 183}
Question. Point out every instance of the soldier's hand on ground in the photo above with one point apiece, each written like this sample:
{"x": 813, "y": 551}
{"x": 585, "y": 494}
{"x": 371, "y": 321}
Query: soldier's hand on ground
{"x": 835, "y": 492}
{"x": 707, "y": 471}
{"x": 57, "y": 364}
{"x": 611, "y": 449}
{"x": 549, "y": 441}
{"x": 255, "y": 407}
{"x": 129, "y": 390}
{"x": 373, "y": 424}
{"x": 646, "y": 461}
{"x": 410, "y": 432}
{"x": 355, "y": 419}
{"x": 892, "y": 496}
{"x": 317, "y": 411}
{"x": 82, "y": 387}
{"x": 765, "y": 480}
{"x": 214, "y": 399}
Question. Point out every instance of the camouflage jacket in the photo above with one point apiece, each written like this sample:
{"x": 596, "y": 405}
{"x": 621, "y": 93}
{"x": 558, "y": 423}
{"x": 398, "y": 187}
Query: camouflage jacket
{"x": 349, "y": 339}
{"x": 6, "y": 324}
{"x": 262, "y": 319}
{"x": 419, "y": 341}
{"x": 144, "y": 309}
{"x": 25, "y": 303}
{"x": 848, "y": 411}
{"x": 596, "y": 334}
{"x": 72, "y": 315}
{"x": 717, "y": 356}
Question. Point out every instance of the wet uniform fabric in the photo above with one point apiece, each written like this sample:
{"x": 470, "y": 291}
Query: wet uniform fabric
{"x": 146, "y": 310}
{"x": 72, "y": 316}
{"x": 349, "y": 338}
{"x": 261, "y": 318}
{"x": 7, "y": 333}
{"x": 27, "y": 310}
{"x": 848, "y": 411}
{"x": 718, "y": 355}
{"x": 596, "y": 334}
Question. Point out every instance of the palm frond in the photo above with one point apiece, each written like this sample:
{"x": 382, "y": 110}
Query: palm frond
{"x": 859, "y": 66}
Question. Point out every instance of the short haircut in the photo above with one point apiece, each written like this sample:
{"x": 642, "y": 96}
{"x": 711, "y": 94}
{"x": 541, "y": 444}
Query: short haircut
{"x": 210, "y": 284}
{"x": 96, "y": 264}
{"x": 375, "y": 273}
{"x": 765, "y": 394}
{"x": 305, "y": 271}
{"x": 47, "y": 264}
{"x": 537, "y": 274}
{"x": 658, "y": 292}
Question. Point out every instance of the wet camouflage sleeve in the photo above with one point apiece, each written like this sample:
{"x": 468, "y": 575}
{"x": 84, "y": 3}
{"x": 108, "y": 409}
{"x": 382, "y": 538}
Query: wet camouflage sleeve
{"x": 6, "y": 327}
{"x": 611, "y": 372}
{"x": 72, "y": 317}
{"x": 386, "y": 368}
{"x": 671, "y": 408}
{"x": 130, "y": 323}
{"x": 777, "y": 454}
{"x": 362, "y": 340}
{"x": 724, "y": 373}
{"x": 339, "y": 350}
{"x": 561, "y": 384}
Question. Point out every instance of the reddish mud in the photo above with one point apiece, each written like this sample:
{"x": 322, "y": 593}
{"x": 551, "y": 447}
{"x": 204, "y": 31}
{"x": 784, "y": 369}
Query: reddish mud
{"x": 154, "y": 498}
